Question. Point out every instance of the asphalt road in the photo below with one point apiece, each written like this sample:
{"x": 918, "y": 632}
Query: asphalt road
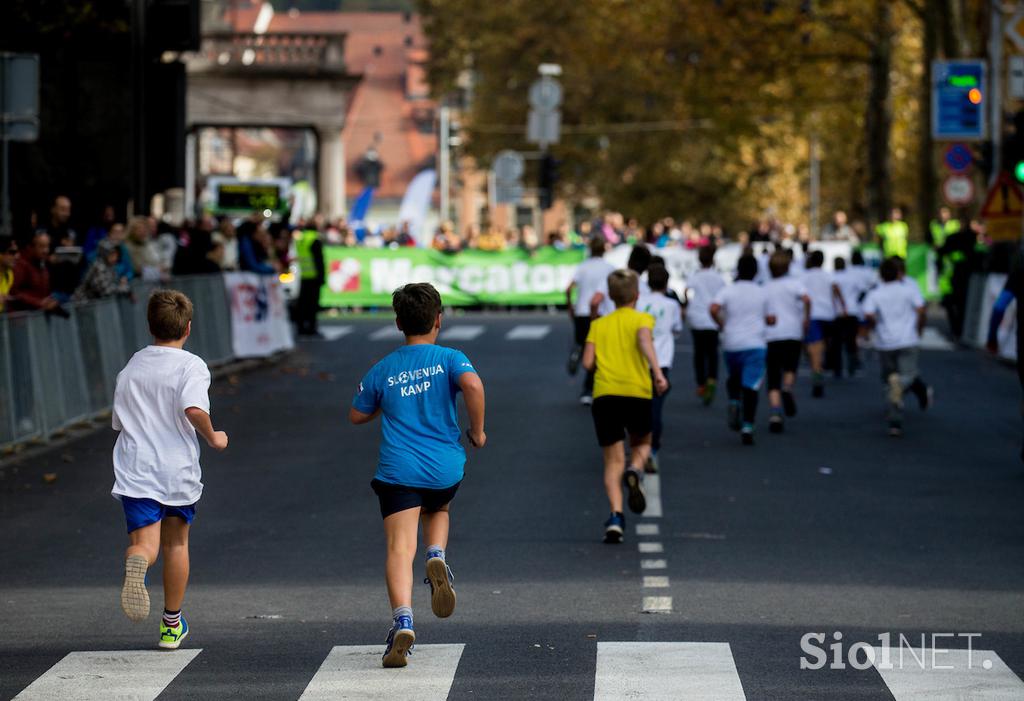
{"x": 830, "y": 527}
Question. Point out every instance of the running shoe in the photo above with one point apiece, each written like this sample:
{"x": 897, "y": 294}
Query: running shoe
{"x": 926, "y": 398}
{"x": 171, "y": 638}
{"x": 701, "y": 389}
{"x": 586, "y": 400}
{"x": 709, "y": 392}
{"x": 789, "y": 403}
{"x": 734, "y": 416}
{"x": 574, "y": 360}
{"x": 747, "y": 435}
{"x": 895, "y": 429}
{"x": 637, "y": 500}
{"x": 895, "y": 389}
{"x": 651, "y": 467}
{"x": 134, "y": 597}
{"x": 775, "y": 423}
{"x": 614, "y": 528}
{"x": 441, "y": 581}
{"x": 399, "y": 643}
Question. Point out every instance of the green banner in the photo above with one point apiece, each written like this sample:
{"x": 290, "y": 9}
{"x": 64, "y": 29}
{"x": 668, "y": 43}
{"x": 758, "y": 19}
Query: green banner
{"x": 366, "y": 277}
{"x": 920, "y": 266}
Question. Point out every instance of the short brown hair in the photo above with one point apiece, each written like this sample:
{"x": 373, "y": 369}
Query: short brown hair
{"x": 778, "y": 264}
{"x": 623, "y": 286}
{"x": 168, "y": 314}
{"x": 416, "y": 305}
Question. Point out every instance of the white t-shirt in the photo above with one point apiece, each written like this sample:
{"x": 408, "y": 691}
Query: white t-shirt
{"x": 868, "y": 276}
{"x": 819, "y": 288}
{"x": 705, "y": 284}
{"x": 668, "y": 321}
{"x": 157, "y": 451}
{"x": 894, "y": 306}
{"x": 744, "y": 308}
{"x": 786, "y": 302}
{"x": 851, "y": 286}
{"x": 592, "y": 277}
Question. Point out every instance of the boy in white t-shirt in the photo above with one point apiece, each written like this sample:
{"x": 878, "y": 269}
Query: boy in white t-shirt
{"x": 896, "y": 311}
{"x": 743, "y": 313}
{"x": 160, "y": 403}
{"x": 791, "y": 307}
{"x": 668, "y": 321}
{"x": 826, "y": 303}
{"x": 701, "y": 288}
{"x": 590, "y": 281}
{"x": 851, "y": 284}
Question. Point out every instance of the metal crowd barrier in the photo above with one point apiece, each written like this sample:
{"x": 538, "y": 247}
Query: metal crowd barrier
{"x": 56, "y": 372}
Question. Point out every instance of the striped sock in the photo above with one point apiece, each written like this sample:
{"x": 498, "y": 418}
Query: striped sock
{"x": 172, "y": 618}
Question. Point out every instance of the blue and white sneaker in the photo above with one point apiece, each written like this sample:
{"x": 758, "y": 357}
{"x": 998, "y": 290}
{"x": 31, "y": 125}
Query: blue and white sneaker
{"x": 171, "y": 638}
{"x": 441, "y": 581}
{"x": 614, "y": 528}
{"x": 399, "y": 643}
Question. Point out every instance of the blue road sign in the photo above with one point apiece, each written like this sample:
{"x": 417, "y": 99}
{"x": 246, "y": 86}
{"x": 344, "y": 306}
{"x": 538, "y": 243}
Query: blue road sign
{"x": 958, "y": 157}
{"x": 959, "y": 98}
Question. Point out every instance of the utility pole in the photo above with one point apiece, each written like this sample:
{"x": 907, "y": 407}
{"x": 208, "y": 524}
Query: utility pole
{"x": 445, "y": 174}
{"x": 815, "y": 187}
{"x": 995, "y": 90}
{"x": 139, "y": 61}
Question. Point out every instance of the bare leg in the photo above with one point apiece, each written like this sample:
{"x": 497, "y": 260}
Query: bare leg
{"x": 435, "y": 527}
{"x": 614, "y": 467}
{"x": 788, "y": 380}
{"x": 639, "y": 451}
{"x": 400, "y": 530}
{"x": 174, "y": 543}
{"x": 145, "y": 542}
{"x": 775, "y": 398}
{"x": 816, "y": 352}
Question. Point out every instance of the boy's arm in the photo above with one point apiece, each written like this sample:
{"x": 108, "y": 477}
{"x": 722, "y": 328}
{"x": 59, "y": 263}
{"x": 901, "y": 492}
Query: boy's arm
{"x": 716, "y": 314}
{"x": 568, "y": 299}
{"x": 922, "y": 318}
{"x": 473, "y": 390}
{"x": 837, "y": 295}
{"x": 646, "y": 342}
{"x": 589, "y": 359}
{"x": 359, "y": 418}
{"x": 200, "y": 420}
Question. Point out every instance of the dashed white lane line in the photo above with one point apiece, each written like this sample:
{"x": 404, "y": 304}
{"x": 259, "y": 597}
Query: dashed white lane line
{"x": 465, "y": 332}
{"x": 354, "y": 672}
{"x": 652, "y": 489}
{"x": 655, "y": 582}
{"x": 648, "y": 529}
{"x": 100, "y": 676}
{"x": 657, "y": 604}
{"x": 666, "y": 672}
{"x": 386, "y": 333}
{"x": 650, "y": 548}
{"x": 528, "y": 332}
{"x": 653, "y": 564}
{"x": 333, "y": 333}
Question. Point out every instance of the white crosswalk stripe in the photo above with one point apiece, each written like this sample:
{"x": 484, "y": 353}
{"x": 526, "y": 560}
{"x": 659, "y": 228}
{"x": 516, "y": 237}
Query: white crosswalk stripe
{"x": 666, "y": 672}
{"x": 951, "y": 675}
{"x": 355, "y": 672}
{"x": 933, "y": 339}
{"x": 139, "y": 675}
{"x": 528, "y": 332}
{"x": 333, "y": 333}
{"x": 464, "y": 332}
{"x": 386, "y": 333}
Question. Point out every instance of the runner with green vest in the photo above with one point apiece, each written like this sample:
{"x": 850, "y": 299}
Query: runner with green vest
{"x": 309, "y": 251}
{"x": 943, "y": 227}
{"x": 894, "y": 235}
{"x": 956, "y": 261}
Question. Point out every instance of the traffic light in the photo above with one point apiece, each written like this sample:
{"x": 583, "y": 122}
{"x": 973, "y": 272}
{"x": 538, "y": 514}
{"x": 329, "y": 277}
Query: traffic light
{"x": 1013, "y": 148}
{"x": 549, "y": 166}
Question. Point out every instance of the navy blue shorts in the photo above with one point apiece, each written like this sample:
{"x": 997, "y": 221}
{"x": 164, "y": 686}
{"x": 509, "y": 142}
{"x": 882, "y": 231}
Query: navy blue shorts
{"x": 140, "y": 513}
{"x": 398, "y": 497}
{"x": 817, "y": 330}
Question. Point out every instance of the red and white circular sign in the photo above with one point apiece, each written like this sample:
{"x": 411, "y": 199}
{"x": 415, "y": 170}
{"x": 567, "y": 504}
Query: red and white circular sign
{"x": 958, "y": 190}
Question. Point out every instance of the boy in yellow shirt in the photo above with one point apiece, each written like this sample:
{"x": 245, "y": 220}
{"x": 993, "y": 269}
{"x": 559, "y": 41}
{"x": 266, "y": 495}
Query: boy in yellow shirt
{"x": 621, "y": 349}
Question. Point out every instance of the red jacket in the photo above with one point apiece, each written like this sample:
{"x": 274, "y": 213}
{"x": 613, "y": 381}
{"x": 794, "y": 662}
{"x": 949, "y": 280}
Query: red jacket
{"x": 31, "y": 285}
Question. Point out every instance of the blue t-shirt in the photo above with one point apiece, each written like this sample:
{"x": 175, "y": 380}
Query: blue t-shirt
{"x": 415, "y": 387}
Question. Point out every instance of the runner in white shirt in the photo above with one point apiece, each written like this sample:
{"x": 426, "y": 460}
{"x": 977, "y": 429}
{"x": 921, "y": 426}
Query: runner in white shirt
{"x": 668, "y": 321}
{"x": 851, "y": 287}
{"x": 589, "y": 281}
{"x": 742, "y": 312}
{"x": 701, "y": 288}
{"x": 826, "y": 301}
{"x": 896, "y": 311}
{"x": 791, "y": 307}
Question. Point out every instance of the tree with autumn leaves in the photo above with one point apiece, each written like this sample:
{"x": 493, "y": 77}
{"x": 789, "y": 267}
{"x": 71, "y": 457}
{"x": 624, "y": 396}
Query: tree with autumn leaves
{"x": 708, "y": 108}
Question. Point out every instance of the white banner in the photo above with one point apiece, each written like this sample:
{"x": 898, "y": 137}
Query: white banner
{"x": 259, "y": 317}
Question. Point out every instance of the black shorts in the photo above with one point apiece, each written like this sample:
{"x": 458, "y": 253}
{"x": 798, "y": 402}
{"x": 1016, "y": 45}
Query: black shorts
{"x": 616, "y": 416}
{"x": 783, "y": 357}
{"x": 398, "y": 497}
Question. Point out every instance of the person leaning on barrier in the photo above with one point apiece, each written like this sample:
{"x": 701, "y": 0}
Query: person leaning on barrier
{"x": 102, "y": 279}
{"x": 30, "y": 286}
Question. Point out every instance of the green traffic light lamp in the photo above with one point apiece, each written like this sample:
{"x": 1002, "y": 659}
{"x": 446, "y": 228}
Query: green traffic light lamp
{"x": 1018, "y": 171}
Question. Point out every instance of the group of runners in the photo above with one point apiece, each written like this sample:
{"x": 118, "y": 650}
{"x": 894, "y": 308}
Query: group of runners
{"x": 775, "y": 310}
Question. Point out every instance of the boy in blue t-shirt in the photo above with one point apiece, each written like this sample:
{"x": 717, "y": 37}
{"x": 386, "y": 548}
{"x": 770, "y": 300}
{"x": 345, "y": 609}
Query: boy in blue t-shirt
{"x": 413, "y": 389}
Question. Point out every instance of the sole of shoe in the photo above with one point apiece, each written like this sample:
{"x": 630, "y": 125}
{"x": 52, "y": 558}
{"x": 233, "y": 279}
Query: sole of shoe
{"x": 613, "y": 535}
{"x": 747, "y": 438}
{"x": 818, "y": 392}
{"x": 399, "y": 653}
{"x": 775, "y": 426}
{"x": 637, "y": 500}
{"x": 788, "y": 404}
{"x": 175, "y": 645}
{"x": 442, "y": 600}
{"x": 134, "y": 597}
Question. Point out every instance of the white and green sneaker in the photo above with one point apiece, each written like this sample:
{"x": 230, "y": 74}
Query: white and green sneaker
{"x": 171, "y": 637}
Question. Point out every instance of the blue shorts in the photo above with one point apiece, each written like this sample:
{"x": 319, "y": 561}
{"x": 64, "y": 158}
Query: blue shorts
{"x": 748, "y": 365}
{"x": 816, "y": 330}
{"x": 140, "y": 513}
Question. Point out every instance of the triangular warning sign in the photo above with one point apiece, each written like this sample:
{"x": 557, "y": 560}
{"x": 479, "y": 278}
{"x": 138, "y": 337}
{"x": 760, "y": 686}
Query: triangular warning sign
{"x": 1004, "y": 199}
